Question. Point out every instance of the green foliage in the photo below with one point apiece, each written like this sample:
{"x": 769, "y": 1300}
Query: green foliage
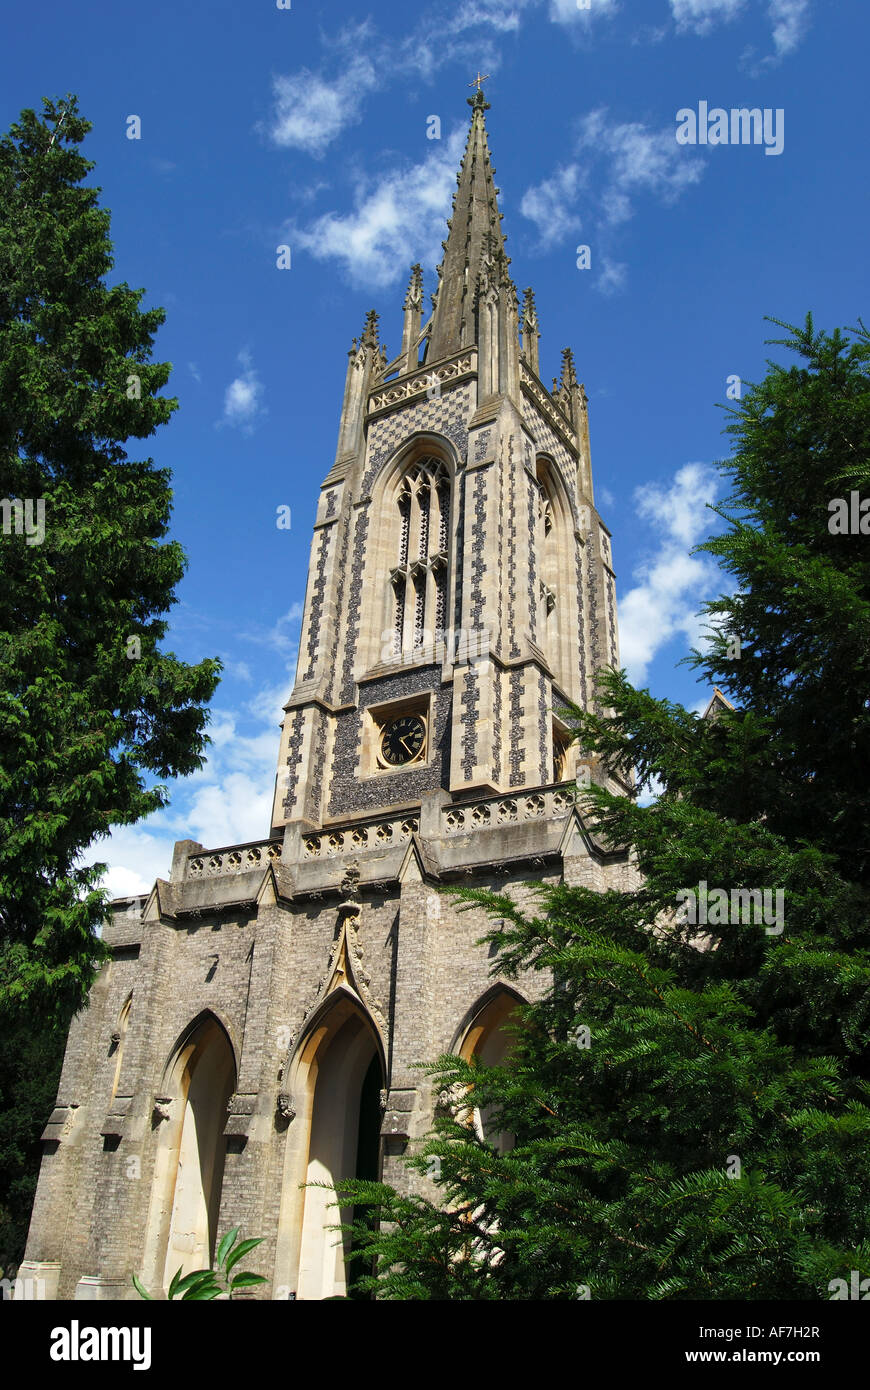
{"x": 30, "y": 1062}
{"x": 204, "y": 1285}
{"x": 711, "y": 1141}
{"x": 84, "y": 729}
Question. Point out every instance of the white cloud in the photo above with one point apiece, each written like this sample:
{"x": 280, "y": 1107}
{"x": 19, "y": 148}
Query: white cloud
{"x": 228, "y": 800}
{"x": 699, "y": 16}
{"x": 480, "y": 14}
{"x": 236, "y": 809}
{"x": 243, "y": 396}
{"x": 671, "y": 583}
{"x": 135, "y": 858}
{"x": 397, "y": 220}
{"x": 239, "y": 669}
{"x": 618, "y": 162}
{"x": 278, "y": 636}
{"x": 638, "y": 159}
{"x": 549, "y": 204}
{"x": 603, "y": 494}
{"x": 612, "y": 275}
{"x": 310, "y": 111}
{"x": 569, "y": 11}
{"x": 790, "y": 19}
{"x": 267, "y": 706}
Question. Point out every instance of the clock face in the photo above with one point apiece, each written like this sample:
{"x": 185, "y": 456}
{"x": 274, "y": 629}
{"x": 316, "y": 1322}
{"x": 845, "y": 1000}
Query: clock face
{"x": 403, "y": 739}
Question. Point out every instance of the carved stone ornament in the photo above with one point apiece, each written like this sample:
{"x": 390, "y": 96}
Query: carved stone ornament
{"x": 452, "y": 1098}
{"x": 350, "y": 883}
{"x": 286, "y": 1108}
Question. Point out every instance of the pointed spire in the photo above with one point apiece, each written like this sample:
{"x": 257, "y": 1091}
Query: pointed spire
{"x": 413, "y": 308}
{"x": 365, "y": 364}
{"x": 475, "y": 231}
{"x": 569, "y": 395}
{"x": 414, "y": 297}
{"x": 370, "y": 331}
{"x": 530, "y": 332}
{"x": 569, "y": 375}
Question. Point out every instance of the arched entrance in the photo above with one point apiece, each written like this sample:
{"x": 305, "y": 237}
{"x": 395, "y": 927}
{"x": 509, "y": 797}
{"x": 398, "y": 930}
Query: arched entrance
{"x": 189, "y": 1166}
{"x": 339, "y": 1077}
{"x": 486, "y": 1035}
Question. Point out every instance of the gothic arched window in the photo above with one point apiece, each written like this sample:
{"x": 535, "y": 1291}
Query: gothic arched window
{"x": 549, "y": 567}
{"x": 419, "y": 579}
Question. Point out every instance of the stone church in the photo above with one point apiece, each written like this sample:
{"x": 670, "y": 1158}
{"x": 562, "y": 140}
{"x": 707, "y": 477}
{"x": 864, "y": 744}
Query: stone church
{"x": 258, "y": 1025}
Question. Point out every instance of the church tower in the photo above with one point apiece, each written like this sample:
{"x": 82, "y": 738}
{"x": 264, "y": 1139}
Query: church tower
{"x": 260, "y": 1021}
{"x": 461, "y": 585}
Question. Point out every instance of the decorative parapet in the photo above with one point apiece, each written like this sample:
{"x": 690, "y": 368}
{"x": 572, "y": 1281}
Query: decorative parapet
{"x": 550, "y": 411}
{"x": 379, "y": 834}
{"x": 422, "y": 382}
{"x": 234, "y": 860}
{"x": 543, "y": 804}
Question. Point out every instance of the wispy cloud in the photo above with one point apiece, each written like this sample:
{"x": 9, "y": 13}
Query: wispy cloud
{"x": 788, "y": 19}
{"x": 282, "y": 637}
{"x": 670, "y": 583}
{"x": 396, "y": 219}
{"x": 551, "y": 204}
{"x": 636, "y": 160}
{"x": 311, "y": 109}
{"x": 617, "y": 162}
{"x": 243, "y": 398}
{"x": 700, "y": 16}
{"x": 569, "y": 12}
{"x": 229, "y": 801}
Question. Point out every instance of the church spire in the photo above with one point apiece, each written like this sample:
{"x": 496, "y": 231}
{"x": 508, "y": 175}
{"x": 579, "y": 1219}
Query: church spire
{"x": 475, "y": 235}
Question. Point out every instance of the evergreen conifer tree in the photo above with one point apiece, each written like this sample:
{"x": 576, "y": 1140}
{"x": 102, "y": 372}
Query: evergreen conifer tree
{"x": 91, "y": 709}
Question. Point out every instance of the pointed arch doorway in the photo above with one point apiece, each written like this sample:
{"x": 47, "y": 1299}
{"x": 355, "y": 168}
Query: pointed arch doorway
{"x": 486, "y": 1035}
{"x": 191, "y": 1114}
{"x": 339, "y": 1078}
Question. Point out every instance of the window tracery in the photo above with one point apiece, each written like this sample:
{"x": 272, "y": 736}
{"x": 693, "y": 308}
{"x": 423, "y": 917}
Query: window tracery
{"x": 420, "y": 584}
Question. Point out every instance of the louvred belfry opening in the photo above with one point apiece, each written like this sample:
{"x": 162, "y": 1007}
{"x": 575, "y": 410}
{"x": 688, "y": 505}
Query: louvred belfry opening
{"x": 419, "y": 580}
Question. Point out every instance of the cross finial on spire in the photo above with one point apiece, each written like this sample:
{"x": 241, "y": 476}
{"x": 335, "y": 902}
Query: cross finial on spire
{"x": 479, "y": 101}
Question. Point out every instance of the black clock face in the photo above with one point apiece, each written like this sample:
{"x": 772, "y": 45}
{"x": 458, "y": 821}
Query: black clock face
{"x": 402, "y": 740}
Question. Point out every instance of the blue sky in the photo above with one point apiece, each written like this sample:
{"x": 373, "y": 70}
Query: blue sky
{"x": 308, "y": 127}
